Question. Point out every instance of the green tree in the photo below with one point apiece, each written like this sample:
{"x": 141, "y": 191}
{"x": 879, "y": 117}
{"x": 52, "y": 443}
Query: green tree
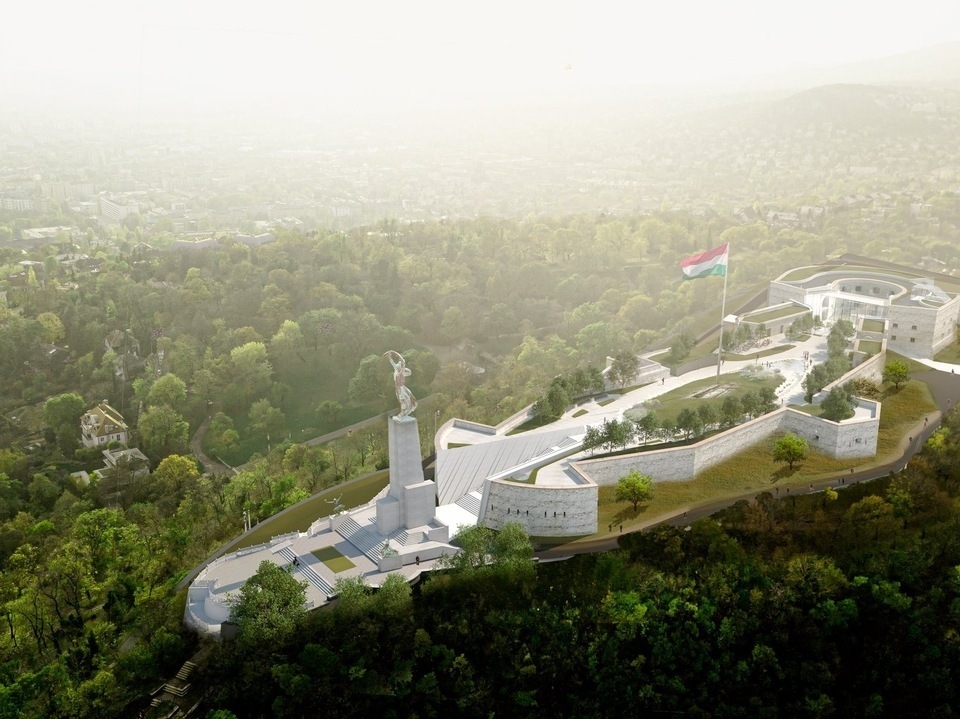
{"x": 896, "y": 373}
{"x": 173, "y": 477}
{"x": 837, "y": 406}
{"x": 730, "y": 411}
{"x": 624, "y": 368}
{"x": 250, "y": 367}
{"x": 790, "y": 449}
{"x": 53, "y": 329}
{"x": 689, "y": 422}
{"x": 328, "y": 412}
{"x": 168, "y": 390}
{"x": 371, "y": 382}
{"x": 162, "y": 432}
{"x": 634, "y": 487}
{"x": 816, "y": 380}
{"x": 64, "y": 409}
{"x": 266, "y": 421}
{"x": 270, "y": 608}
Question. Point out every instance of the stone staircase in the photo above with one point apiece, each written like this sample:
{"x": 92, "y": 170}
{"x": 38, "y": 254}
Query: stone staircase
{"x": 370, "y": 543}
{"x": 308, "y": 572}
{"x": 470, "y": 502}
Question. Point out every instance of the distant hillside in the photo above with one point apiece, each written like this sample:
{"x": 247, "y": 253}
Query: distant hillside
{"x": 938, "y": 65}
{"x": 850, "y": 106}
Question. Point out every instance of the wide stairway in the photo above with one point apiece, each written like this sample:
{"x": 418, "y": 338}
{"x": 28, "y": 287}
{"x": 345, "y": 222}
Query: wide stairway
{"x": 471, "y": 503}
{"x": 370, "y": 543}
{"x": 308, "y": 572}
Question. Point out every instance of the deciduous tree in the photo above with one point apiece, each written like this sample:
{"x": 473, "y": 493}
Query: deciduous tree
{"x": 896, "y": 373}
{"x": 790, "y": 449}
{"x": 634, "y": 487}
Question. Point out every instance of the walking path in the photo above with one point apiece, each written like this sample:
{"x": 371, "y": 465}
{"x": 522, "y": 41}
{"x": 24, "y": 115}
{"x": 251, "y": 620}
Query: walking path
{"x": 790, "y": 363}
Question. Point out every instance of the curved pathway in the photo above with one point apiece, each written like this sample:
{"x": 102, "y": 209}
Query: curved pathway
{"x": 210, "y": 466}
{"x": 945, "y": 388}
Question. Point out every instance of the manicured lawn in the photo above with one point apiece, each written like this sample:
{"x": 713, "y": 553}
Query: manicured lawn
{"x": 334, "y": 560}
{"x": 671, "y": 403}
{"x": 950, "y": 353}
{"x": 299, "y": 517}
{"x": 873, "y": 325}
{"x": 753, "y": 470}
{"x": 580, "y": 413}
{"x": 899, "y": 412}
{"x": 871, "y": 346}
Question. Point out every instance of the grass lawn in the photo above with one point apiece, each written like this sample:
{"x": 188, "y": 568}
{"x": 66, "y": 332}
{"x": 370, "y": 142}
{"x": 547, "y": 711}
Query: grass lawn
{"x": 532, "y": 423}
{"x": 750, "y": 471}
{"x": 580, "y": 413}
{"x": 873, "y": 325}
{"x": 335, "y": 561}
{"x": 899, "y": 412}
{"x": 671, "y": 403}
{"x": 871, "y": 346}
{"x": 299, "y": 517}
{"x": 608, "y": 400}
{"x": 950, "y": 353}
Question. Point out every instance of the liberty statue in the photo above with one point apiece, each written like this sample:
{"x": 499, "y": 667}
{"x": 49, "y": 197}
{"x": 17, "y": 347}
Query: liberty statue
{"x": 408, "y": 402}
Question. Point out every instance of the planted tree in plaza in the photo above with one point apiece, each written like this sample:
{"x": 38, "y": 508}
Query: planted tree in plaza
{"x": 790, "y": 449}
{"x": 837, "y": 406}
{"x": 634, "y": 487}
{"x": 896, "y": 373}
{"x": 689, "y": 422}
{"x": 624, "y": 368}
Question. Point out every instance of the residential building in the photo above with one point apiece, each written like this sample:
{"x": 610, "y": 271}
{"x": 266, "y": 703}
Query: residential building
{"x": 102, "y": 425}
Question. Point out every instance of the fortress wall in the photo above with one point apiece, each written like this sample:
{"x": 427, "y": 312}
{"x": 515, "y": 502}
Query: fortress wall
{"x": 849, "y": 439}
{"x": 544, "y": 511}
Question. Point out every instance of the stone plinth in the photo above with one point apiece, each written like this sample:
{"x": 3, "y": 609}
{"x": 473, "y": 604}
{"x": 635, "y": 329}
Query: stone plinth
{"x": 404, "y": 443}
{"x": 389, "y": 517}
{"x": 410, "y": 501}
{"x": 419, "y": 504}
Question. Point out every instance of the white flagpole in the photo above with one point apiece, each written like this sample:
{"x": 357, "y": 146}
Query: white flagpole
{"x": 723, "y": 312}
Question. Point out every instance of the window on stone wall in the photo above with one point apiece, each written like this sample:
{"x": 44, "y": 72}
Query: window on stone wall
{"x": 895, "y": 325}
{"x": 893, "y": 337}
{"x": 913, "y": 339}
{"x": 913, "y": 327}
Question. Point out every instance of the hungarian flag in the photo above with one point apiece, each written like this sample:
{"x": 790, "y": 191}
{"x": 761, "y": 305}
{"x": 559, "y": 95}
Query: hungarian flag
{"x": 711, "y": 262}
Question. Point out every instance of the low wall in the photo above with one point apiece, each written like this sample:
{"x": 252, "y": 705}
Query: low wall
{"x": 870, "y": 369}
{"x": 474, "y": 426}
{"x": 544, "y": 511}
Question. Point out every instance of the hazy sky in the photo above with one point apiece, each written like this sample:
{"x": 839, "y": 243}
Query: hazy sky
{"x": 130, "y": 51}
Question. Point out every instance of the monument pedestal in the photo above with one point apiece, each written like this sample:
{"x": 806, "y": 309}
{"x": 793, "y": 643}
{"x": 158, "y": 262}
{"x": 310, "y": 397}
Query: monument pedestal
{"x": 410, "y": 501}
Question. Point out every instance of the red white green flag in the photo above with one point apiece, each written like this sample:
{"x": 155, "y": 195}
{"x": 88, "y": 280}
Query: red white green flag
{"x": 711, "y": 262}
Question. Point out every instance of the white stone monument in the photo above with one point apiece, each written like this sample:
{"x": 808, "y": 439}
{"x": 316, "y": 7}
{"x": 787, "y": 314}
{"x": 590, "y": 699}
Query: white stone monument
{"x": 410, "y": 501}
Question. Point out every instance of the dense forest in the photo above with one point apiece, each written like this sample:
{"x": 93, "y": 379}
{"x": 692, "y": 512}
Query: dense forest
{"x": 277, "y": 344}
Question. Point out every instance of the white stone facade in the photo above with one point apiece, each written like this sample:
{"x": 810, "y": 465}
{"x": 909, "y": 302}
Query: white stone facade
{"x": 544, "y": 511}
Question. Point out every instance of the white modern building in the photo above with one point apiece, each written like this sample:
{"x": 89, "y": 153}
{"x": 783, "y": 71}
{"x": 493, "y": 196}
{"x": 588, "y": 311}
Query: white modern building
{"x": 922, "y": 318}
